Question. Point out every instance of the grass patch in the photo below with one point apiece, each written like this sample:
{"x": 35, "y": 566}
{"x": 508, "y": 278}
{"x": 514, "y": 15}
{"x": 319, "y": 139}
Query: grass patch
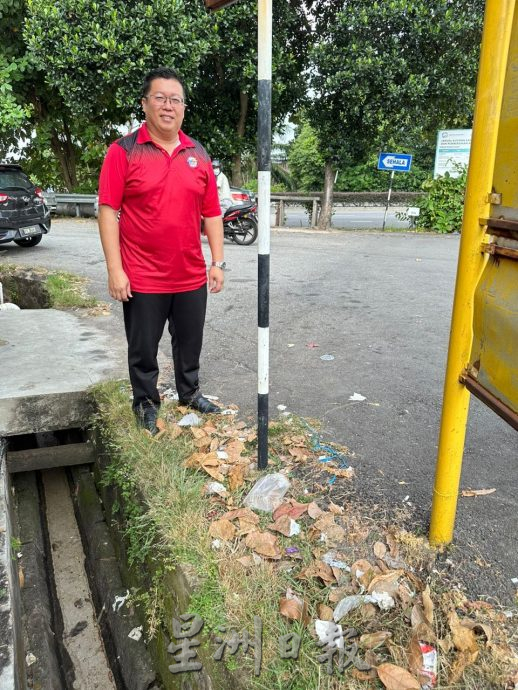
{"x": 68, "y": 290}
{"x": 170, "y": 524}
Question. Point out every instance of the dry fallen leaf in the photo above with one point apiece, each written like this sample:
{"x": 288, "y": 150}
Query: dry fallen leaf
{"x": 242, "y": 513}
{"x": 314, "y": 511}
{"x": 364, "y": 675}
{"x": 463, "y": 638}
{"x": 332, "y": 532}
{"x": 396, "y": 678}
{"x": 417, "y": 616}
{"x": 363, "y": 571}
{"x": 460, "y": 663}
{"x": 246, "y": 561}
{"x": 299, "y": 453}
{"x": 203, "y": 443}
{"x": 234, "y": 449}
{"x": 246, "y": 526}
{"x": 321, "y": 570}
{"x": 379, "y": 549}
{"x": 335, "y": 509}
{"x": 174, "y": 431}
{"x": 347, "y": 473}
{"x": 373, "y": 640}
{"x": 295, "y": 609}
{"x": 236, "y": 477}
{"x": 415, "y": 656}
{"x": 427, "y": 605}
{"x": 222, "y": 529}
{"x": 386, "y": 583}
{"x": 263, "y": 543}
{"x": 291, "y": 508}
{"x": 392, "y": 545}
{"x": 197, "y": 459}
{"x": 213, "y": 471}
{"x": 282, "y": 525}
{"x": 338, "y": 593}
{"x": 478, "y": 628}
{"x": 324, "y": 612}
{"x": 368, "y": 611}
{"x": 477, "y": 492}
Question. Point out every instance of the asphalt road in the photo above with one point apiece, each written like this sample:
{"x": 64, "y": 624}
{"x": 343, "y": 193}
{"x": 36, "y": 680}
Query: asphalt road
{"x": 349, "y": 218}
{"x": 380, "y": 304}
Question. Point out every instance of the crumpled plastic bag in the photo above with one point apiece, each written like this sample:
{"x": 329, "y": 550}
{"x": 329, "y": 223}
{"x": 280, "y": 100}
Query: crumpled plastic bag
{"x": 267, "y": 493}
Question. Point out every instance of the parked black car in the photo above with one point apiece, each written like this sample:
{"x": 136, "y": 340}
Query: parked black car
{"x": 24, "y": 216}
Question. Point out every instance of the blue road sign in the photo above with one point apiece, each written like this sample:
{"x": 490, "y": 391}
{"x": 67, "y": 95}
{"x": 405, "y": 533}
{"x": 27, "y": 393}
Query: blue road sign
{"x": 398, "y": 162}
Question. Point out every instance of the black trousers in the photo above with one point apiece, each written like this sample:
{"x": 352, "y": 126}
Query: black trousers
{"x": 145, "y": 316}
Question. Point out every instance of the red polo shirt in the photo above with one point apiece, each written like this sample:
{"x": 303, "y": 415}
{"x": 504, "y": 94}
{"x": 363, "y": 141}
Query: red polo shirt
{"x": 161, "y": 199}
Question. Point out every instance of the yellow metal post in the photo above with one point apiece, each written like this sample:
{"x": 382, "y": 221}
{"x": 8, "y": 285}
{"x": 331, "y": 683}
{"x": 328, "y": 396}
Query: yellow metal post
{"x": 498, "y": 22}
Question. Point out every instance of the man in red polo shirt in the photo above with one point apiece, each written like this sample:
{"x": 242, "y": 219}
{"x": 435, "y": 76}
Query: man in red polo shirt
{"x": 156, "y": 184}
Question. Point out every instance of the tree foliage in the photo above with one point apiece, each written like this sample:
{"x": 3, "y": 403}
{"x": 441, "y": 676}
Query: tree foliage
{"x": 383, "y": 70}
{"x": 305, "y": 159}
{"x": 96, "y": 53}
{"x": 223, "y": 98}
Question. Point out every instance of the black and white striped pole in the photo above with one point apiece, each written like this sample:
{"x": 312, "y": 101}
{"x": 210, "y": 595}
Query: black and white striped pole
{"x": 264, "y": 138}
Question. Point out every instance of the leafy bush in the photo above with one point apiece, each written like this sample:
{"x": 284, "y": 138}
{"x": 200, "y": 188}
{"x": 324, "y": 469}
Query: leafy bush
{"x": 305, "y": 160}
{"x": 443, "y": 204}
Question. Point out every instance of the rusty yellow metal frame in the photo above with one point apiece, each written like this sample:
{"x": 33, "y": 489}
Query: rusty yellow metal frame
{"x": 500, "y": 29}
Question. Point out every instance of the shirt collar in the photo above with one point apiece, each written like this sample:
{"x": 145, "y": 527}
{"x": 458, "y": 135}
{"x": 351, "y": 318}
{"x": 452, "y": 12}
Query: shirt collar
{"x": 143, "y": 137}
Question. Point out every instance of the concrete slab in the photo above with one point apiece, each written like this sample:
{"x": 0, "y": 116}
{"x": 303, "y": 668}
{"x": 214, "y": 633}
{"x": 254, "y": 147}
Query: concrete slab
{"x": 49, "y": 359}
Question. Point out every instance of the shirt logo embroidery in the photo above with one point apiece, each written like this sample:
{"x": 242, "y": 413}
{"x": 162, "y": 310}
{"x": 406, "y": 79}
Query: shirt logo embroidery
{"x": 192, "y": 161}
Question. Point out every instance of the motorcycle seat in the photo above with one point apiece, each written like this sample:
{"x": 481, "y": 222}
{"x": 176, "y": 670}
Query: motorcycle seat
{"x": 239, "y": 207}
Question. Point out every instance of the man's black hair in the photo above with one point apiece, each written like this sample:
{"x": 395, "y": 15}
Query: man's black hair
{"x": 160, "y": 73}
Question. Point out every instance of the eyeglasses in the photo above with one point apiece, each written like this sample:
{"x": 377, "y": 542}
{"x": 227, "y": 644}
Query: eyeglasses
{"x": 158, "y": 100}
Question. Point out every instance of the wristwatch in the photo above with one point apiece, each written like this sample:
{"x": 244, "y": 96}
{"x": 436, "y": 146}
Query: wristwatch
{"x": 219, "y": 264}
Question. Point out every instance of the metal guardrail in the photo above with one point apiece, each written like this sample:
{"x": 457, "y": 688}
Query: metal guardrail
{"x": 85, "y": 203}
{"x": 339, "y": 199}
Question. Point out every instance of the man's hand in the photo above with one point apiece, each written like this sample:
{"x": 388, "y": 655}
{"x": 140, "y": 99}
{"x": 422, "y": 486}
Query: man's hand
{"x": 119, "y": 285}
{"x": 216, "y": 279}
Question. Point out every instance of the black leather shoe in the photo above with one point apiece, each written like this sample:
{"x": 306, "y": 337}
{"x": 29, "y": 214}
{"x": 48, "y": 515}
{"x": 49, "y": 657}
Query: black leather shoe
{"x": 201, "y": 404}
{"x": 146, "y": 415}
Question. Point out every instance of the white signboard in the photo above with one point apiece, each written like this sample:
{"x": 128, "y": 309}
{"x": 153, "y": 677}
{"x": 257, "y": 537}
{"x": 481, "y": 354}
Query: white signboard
{"x": 453, "y": 146}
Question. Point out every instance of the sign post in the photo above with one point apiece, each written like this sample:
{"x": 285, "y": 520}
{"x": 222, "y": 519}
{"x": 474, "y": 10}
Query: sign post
{"x": 452, "y": 151}
{"x": 395, "y": 162}
{"x": 264, "y": 145}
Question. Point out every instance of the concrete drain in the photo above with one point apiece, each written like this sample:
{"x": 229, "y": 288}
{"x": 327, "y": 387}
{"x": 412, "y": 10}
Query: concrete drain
{"x": 65, "y": 576}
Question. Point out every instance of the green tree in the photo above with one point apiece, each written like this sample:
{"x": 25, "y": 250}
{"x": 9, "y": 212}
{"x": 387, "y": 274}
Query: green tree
{"x": 94, "y": 55}
{"x": 223, "y": 102}
{"x": 305, "y": 160}
{"x": 383, "y": 69}
{"x": 28, "y": 105}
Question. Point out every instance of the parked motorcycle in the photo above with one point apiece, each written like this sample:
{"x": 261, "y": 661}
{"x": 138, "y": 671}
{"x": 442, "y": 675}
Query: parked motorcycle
{"x": 240, "y": 223}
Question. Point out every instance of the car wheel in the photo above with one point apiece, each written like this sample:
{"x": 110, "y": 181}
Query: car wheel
{"x": 29, "y": 241}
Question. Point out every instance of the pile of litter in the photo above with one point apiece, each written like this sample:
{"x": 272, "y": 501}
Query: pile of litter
{"x": 370, "y": 597}
{"x": 408, "y": 631}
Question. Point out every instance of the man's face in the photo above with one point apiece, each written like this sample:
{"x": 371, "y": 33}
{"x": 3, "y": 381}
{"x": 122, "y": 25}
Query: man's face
{"x": 164, "y": 118}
